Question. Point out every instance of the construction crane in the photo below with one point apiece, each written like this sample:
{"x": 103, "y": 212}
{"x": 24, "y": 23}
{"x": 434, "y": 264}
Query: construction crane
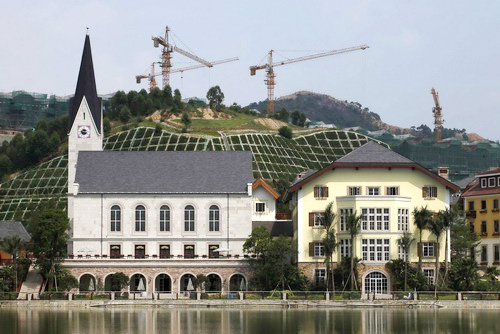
{"x": 166, "y": 57}
{"x": 151, "y": 76}
{"x": 269, "y": 67}
{"x": 438, "y": 120}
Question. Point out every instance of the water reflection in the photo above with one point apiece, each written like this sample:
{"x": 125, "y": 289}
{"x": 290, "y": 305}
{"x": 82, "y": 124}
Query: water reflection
{"x": 144, "y": 320}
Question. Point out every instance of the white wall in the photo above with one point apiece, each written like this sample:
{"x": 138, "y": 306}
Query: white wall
{"x": 262, "y": 195}
{"x": 91, "y": 230}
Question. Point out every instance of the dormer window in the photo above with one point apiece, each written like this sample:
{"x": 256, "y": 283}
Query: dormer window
{"x": 491, "y": 182}
{"x": 483, "y": 182}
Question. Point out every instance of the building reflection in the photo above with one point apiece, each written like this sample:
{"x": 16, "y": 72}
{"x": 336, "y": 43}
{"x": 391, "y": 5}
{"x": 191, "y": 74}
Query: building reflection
{"x": 146, "y": 319}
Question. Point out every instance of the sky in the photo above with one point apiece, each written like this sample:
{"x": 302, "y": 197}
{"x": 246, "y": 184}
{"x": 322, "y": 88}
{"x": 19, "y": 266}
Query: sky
{"x": 453, "y": 46}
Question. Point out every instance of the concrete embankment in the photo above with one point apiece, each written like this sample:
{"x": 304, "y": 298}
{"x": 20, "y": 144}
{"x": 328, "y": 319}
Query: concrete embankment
{"x": 463, "y": 304}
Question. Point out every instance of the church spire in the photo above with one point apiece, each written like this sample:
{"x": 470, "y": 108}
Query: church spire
{"x": 86, "y": 87}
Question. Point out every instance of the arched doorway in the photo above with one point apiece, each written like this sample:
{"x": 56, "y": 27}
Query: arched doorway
{"x": 376, "y": 282}
{"x": 87, "y": 283}
{"x": 187, "y": 283}
{"x": 214, "y": 283}
{"x": 237, "y": 283}
{"x": 163, "y": 283}
{"x": 111, "y": 284}
{"x": 138, "y": 283}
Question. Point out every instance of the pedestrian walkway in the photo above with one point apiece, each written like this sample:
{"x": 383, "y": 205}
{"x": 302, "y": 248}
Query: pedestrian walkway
{"x": 32, "y": 284}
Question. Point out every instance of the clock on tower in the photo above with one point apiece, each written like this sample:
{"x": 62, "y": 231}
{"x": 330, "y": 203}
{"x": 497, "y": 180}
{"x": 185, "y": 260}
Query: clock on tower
{"x": 83, "y": 131}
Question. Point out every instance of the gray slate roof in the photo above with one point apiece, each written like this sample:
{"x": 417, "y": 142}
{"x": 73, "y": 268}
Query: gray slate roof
{"x": 10, "y": 228}
{"x": 372, "y": 152}
{"x": 164, "y": 172}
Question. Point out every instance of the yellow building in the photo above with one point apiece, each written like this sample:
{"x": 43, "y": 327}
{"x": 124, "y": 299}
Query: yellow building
{"x": 481, "y": 202}
{"x": 382, "y": 186}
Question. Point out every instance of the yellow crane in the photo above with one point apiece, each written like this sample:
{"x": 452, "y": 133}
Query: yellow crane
{"x": 166, "y": 57}
{"x": 269, "y": 67}
{"x": 151, "y": 76}
{"x": 438, "y": 117}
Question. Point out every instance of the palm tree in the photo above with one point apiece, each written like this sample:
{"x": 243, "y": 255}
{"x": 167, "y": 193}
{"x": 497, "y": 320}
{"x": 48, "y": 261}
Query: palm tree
{"x": 437, "y": 228}
{"x": 11, "y": 245}
{"x": 492, "y": 273}
{"x": 447, "y": 217}
{"x": 353, "y": 224}
{"x": 405, "y": 242}
{"x": 329, "y": 242}
{"x": 421, "y": 218}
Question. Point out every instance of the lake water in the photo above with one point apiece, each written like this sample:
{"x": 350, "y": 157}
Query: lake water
{"x": 145, "y": 320}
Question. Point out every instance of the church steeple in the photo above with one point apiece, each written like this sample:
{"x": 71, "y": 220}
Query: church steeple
{"x": 86, "y": 87}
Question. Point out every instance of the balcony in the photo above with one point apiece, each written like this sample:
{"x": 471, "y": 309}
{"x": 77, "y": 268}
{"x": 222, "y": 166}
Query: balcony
{"x": 470, "y": 214}
{"x": 283, "y": 216}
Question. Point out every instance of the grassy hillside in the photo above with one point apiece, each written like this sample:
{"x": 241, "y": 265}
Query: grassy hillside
{"x": 274, "y": 157}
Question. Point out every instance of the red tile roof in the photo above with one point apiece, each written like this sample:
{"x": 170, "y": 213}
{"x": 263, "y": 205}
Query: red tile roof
{"x": 491, "y": 171}
{"x": 476, "y": 190}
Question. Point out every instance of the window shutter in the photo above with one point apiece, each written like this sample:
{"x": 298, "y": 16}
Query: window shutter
{"x": 311, "y": 249}
{"x": 435, "y": 191}
{"x": 424, "y": 192}
{"x": 315, "y": 191}
{"x": 311, "y": 218}
{"x": 326, "y": 191}
{"x": 419, "y": 248}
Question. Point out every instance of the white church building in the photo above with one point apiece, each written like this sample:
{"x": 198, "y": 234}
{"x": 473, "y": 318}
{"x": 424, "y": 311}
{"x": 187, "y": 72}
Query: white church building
{"x": 159, "y": 217}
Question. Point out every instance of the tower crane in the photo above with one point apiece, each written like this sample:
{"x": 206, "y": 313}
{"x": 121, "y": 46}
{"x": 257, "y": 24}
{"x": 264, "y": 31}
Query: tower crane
{"x": 151, "y": 76}
{"x": 166, "y": 57}
{"x": 438, "y": 120}
{"x": 269, "y": 67}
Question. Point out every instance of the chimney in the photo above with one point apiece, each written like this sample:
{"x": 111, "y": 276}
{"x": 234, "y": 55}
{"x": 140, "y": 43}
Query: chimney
{"x": 444, "y": 172}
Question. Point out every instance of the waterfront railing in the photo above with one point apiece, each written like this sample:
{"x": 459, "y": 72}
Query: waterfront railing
{"x": 256, "y": 295}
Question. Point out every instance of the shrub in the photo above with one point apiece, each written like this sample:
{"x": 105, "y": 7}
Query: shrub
{"x": 285, "y": 132}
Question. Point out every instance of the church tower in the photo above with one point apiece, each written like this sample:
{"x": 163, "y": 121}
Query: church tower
{"x": 85, "y": 119}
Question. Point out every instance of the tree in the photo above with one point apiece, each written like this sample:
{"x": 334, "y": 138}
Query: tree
{"x": 329, "y": 242}
{"x": 447, "y": 217}
{"x": 463, "y": 274}
{"x": 272, "y": 267}
{"x": 421, "y": 218}
{"x": 285, "y": 132}
{"x": 125, "y": 114}
{"x": 49, "y": 230}
{"x": 405, "y": 242}
{"x": 5, "y": 165}
{"x": 353, "y": 224}
{"x": 106, "y": 126}
{"x": 491, "y": 273}
{"x": 11, "y": 245}
{"x": 186, "y": 120}
{"x": 298, "y": 118}
{"x": 119, "y": 281}
{"x": 463, "y": 240}
{"x": 283, "y": 115}
{"x": 436, "y": 227}
{"x": 400, "y": 271}
{"x": 200, "y": 281}
{"x": 215, "y": 97}
{"x": 177, "y": 100}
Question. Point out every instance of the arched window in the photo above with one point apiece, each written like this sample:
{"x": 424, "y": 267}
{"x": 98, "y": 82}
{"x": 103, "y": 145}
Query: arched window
{"x": 376, "y": 282}
{"x": 140, "y": 218}
{"x": 164, "y": 218}
{"x": 116, "y": 218}
{"x": 189, "y": 218}
{"x": 213, "y": 219}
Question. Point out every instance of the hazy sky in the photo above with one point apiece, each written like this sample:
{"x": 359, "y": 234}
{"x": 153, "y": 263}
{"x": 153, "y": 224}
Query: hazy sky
{"x": 453, "y": 46}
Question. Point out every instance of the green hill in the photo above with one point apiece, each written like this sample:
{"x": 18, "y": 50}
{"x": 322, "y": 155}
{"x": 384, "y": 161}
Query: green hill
{"x": 274, "y": 157}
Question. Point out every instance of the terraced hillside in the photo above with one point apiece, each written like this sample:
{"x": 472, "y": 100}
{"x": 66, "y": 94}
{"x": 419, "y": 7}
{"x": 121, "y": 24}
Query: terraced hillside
{"x": 274, "y": 157}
